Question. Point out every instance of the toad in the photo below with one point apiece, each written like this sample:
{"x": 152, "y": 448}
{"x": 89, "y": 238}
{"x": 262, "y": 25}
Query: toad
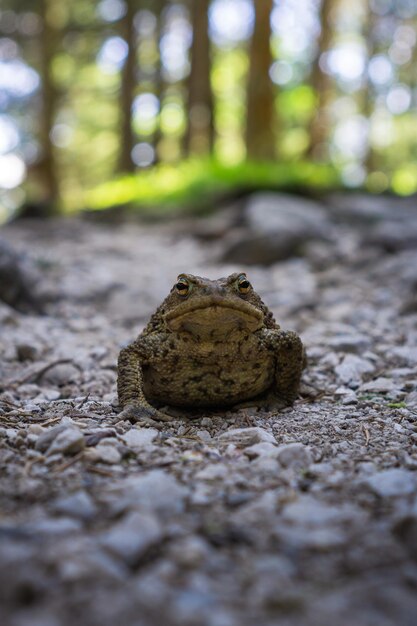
{"x": 210, "y": 344}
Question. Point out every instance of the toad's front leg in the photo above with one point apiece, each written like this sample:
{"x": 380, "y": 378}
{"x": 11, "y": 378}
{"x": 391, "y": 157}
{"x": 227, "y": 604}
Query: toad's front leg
{"x": 290, "y": 360}
{"x": 130, "y": 388}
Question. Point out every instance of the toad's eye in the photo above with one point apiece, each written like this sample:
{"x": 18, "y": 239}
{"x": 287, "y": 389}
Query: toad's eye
{"x": 182, "y": 287}
{"x": 243, "y": 284}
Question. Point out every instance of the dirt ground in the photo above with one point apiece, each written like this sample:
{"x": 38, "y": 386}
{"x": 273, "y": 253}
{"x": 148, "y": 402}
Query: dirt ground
{"x": 303, "y": 517}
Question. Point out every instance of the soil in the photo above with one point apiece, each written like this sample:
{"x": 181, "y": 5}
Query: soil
{"x": 307, "y": 516}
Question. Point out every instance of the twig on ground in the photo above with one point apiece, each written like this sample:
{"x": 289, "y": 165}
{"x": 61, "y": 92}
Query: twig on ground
{"x": 100, "y": 470}
{"x": 31, "y": 463}
{"x": 52, "y": 420}
{"x": 9, "y": 403}
{"x": 83, "y": 401}
{"x": 68, "y": 464}
{"x": 35, "y": 375}
{"x": 366, "y": 433}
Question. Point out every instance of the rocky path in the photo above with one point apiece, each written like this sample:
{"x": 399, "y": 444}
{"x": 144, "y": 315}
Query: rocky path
{"x": 305, "y": 517}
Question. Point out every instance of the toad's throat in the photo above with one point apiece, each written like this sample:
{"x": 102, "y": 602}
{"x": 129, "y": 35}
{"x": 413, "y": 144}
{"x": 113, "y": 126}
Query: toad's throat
{"x": 214, "y": 317}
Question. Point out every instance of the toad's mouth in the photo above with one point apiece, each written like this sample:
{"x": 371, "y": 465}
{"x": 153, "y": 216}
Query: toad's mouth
{"x": 213, "y": 317}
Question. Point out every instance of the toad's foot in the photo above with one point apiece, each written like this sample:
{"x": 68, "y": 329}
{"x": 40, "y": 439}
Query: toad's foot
{"x": 144, "y": 414}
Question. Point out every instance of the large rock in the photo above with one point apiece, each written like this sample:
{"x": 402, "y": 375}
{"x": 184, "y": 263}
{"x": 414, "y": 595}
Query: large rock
{"x": 309, "y": 512}
{"x": 155, "y": 492}
{"x": 61, "y": 374}
{"x": 294, "y": 455}
{"x": 138, "y": 438}
{"x": 62, "y": 439}
{"x": 244, "y": 437}
{"x": 392, "y": 483}
{"x": 78, "y": 504}
{"x": 277, "y": 227}
{"x": 133, "y": 536}
{"x": 18, "y": 281}
{"x": 69, "y": 441}
{"x": 387, "y": 222}
{"x": 359, "y": 209}
{"x": 406, "y": 530}
{"x": 393, "y": 236}
{"x": 352, "y": 368}
{"x": 369, "y": 209}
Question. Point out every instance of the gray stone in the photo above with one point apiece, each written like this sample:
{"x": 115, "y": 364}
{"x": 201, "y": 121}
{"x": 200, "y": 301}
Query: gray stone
{"x": 190, "y": 551}
{"x": 188, "y": 603}
{"x": 295, "y": 455}
{"x": 78, "y": 504}
{"x": 47, "y": 394}
{"x": 406, "y": 355}
{"x": 133, "y": 536}
{"x": 292, "y": 284}
{"x": 321, "y": 470}
{"x": 393, "y": 236}
{"x": 278, "y": 227}
{"x": 259, "y": 512}
{"x": 412, "y": 399}
{"x": 278, "y": 212}
{"x": 202, "y": 494}
{"x": 156, "y": 491}
{"x": 361, "y": 209}
{"x": 212, "y": 472}
{"x": 320, "y": 539}
{"x": 352, "y": 368}
{"x": 261, "y": 449}
{"x": 379, "y": 385}
{"x": 53, "y": 526}
{"x": 267, "y": 466}
{"x": 392, "y": 482}
{"x": 61, "y": 374}
{"x": 46, "y": 437}
{"x": 137, "y": 438}
{"x": 244, "y": 437}
{"x": 273, "y": 581}
{"x": 204, "y": 435}
{"x": 347, "y": 395}
{"x": 309, "y": 511}
{"x": 69, "y": 441}
{"x": 349, "y": 343}
{"x": 107, "y": 452}
{"x": 81, "y": 559}
{"x": 18, "y": 280}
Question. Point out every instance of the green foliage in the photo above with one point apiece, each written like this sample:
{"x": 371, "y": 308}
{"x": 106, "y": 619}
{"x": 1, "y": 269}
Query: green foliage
{"x": 363, "y": 125}
{"x": 195, "y": 185}
{"x": 296, "y": 105}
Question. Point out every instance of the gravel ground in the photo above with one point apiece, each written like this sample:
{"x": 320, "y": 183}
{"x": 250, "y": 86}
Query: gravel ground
{"x": 303, "y": 517}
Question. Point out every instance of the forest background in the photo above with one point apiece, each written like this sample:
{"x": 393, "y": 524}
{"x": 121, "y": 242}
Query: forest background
{"x": 161, "y": 104}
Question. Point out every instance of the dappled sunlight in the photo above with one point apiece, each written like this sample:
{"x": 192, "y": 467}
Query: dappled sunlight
{"x": 112, "y": 55}
{"x": 341, "y": 83}
{"x": 12, "y": 171}
{"x": 231, "y": 21}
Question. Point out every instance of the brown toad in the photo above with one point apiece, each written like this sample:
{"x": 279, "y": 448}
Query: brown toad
{"x": 211, "y": 343}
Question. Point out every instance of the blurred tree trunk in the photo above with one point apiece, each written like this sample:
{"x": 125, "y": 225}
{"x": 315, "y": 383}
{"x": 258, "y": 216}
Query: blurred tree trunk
{"x": 367, "y": 95}
{"x": 158, "y": 79}
{"x": 322, "y": 85}
{"x": 46, "y": 167}
{"x": 260, "y": 136}
{"x": 127, "y": 90}
{"x": 199, "y": 135}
